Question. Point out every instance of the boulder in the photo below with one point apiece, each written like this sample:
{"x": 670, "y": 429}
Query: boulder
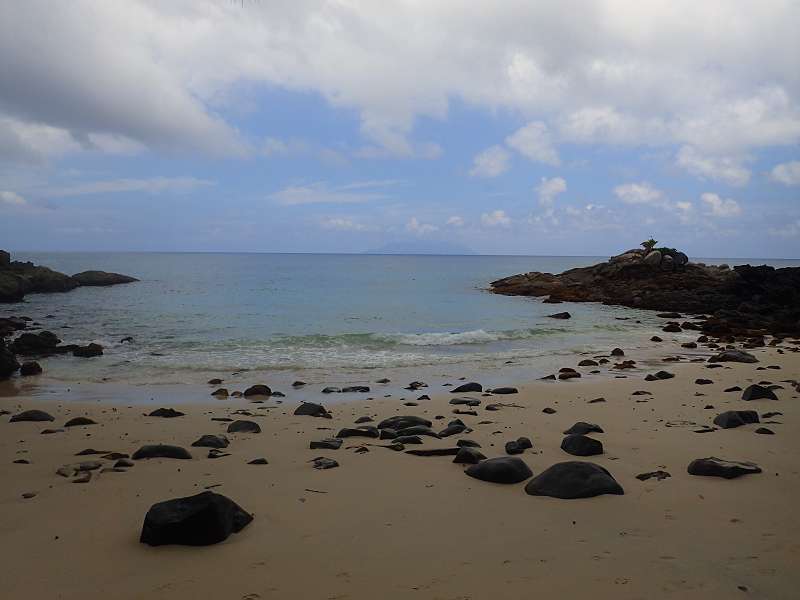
{"x": 88, "y": 351}
{"x": 166, "y": 413}
{"x": 504, "y": 469}
{"x": 29, "y": 368}
{"x": 573, "y": 479}
{"x": 653, "y": 258}
{"x": 79, "y": 422}
{"x": 435, "y": 452}
{"x": 733, "y": 356}
{"x": 8, "y": 362}
{"x": 200, "y": 520}
{"x": 310, "y": 409}
{"x": 43, "y": 343}
{"x": 403, "y": 422}
{"x": 758, "y": 392}
{"x": 211, "y": 441}
{"x": 467, "y": 387}
{"x": 101, "y": 278}
{"x": 161, "y": 451}
{"x": 561, "y": 315}
{"x": 717, "y": 467}
{"x": 581, "y": 445}
{"x": 735, "y": 418}
{"x": 326, "y": 444}
{"x": 582, "y": 428}
{"x": 33, "y": 415}
{"x": 363, "y": 431}
{"x": 468, "y": 455}
{"x": 258, "y": 390}
{"x": 242, "y": 426}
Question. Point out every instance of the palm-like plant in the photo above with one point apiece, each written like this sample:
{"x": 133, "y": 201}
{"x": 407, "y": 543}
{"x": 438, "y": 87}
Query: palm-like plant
{"x": 649, "y": 245}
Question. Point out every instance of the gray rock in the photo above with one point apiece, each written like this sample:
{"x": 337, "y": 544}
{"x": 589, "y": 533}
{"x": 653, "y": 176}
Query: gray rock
{"x": 242, "y": 426}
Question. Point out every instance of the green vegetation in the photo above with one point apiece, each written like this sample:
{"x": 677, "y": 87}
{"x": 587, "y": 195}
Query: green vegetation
{"x": 649, "y": 245}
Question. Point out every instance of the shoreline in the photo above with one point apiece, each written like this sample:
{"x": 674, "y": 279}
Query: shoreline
{"x": 457, "y": 537}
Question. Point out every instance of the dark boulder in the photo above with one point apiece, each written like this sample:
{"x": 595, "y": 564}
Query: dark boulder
{"x": 242, "y": 426}
{"x": 582, "y": 428}
{"x": 573, "y": 479}
{"x": 435, "y": 452}
{"x": 504, "y": 469}
{"x": 29, "y": 368}
{"x": 34, "y": 415}
{"x": 362, "y": 389}
{"x": 518, "y": 446}
{"x": 504, "y": 390}
{"x": 8, "y": 362}
{"x": 258, "y": 390}
{"x": 454, "y": 427}
{"x": 717, "y": 467}
{"x": 581, "y": 445}
{"x": 88, "y": 351}
{"x": 310, "y": 409}
{"x": 561, "y": 315}
{"x": 166, "y": 413}
{"x": 43, "y": 343}
{"x": 326, "y": 444}
{"x": 79, "y": 421}
{"x": 211, "y": 441}
{"x": 200, "y": 520}
{"x": 735, "y": 418}
{"x": 733, "y": 356}
{"x": 468, "y": 456}
{"x": 757, "y": 392}
{"x": 363, "y": 431}
{"x": 467, "y": 387}
{"x": 402, "y": 422}
{"x": 161, "y": 451}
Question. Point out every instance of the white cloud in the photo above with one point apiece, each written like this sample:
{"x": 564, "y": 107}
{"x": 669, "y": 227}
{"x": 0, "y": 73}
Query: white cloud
{"x": 496, "y": 218}
{"x": 638, "y": 193}
{"x": 533, "y": 141}
{"x": 491, "y": 162}
{"x": 719, "y": 207}
{"x": 319, "y": 193}
{"x": 548, "y": 189}
{"x": 11, "y": 199}
{"x": 343, "y": 224}
{"x": 154, "y": 185}
{"x": 455, "y": 221}
{"x": 642, "y": 73}
{"x": 787, "y": 173}
{"x": 414, "y": 226}
{"x": 727, "y": 169}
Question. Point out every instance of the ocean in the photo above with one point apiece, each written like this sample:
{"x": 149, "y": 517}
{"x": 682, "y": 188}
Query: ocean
{"x": 285, "y": 316}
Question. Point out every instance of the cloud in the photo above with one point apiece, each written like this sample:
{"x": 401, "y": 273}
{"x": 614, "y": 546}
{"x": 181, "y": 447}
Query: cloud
{"x": 496, "y": 218}
{"x": 533, "y": 141}
{"x": 787, "y": 173}
{"x": 11, "y": 199}
{"x": 319, "y": 193}
{"x": 166, "y": 75}
{"x": 491, "y": 162}
{"x": 719, "y": 207}
{"x": 638, "y": 193}
{"x": 417, "y": 228}
{"x": 154, "y": 185}
{"x": 343, "y": 224}
{"x": 721, "y": 168}
{"x": 455, "y": 221}
{"x": 548, "y": 189}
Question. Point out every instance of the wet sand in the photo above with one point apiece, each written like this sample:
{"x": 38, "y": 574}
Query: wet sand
{"x": 390, "y": 525}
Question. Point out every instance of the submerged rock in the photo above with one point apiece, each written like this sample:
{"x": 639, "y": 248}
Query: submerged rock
{"x": 200, "y": 520}
{"x": 573, "y": 479}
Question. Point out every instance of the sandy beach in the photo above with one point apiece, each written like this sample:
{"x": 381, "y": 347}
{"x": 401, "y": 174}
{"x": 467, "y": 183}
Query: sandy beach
{"x": 391, "y": 525}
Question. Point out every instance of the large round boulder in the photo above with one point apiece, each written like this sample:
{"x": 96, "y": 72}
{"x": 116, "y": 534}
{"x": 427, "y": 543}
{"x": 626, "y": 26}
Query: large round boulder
{"x": 573, "y": 479}
{"x": 504, "y": 469}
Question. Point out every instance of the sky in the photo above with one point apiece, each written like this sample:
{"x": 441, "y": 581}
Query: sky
{"x": 552, "y": 128}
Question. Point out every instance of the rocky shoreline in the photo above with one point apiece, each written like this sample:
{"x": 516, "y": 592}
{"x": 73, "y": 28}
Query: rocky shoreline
{"x": 19, "y": 278}
{"x": 743, "y": 301}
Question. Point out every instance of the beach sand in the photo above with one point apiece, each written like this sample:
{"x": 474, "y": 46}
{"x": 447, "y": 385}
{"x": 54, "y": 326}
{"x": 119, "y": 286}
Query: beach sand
{"x": 390, "y": 525}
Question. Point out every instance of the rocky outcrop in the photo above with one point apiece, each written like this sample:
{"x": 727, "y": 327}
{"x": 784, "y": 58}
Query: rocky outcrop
{"x": 20, "y": 278}
{"x": 8, "y": 362}
{"x": 743, "y": 300}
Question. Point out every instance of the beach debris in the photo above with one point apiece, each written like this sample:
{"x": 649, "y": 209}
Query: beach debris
{"x": 465, "y": 402}
{"x": 581, "y": 445}
{"x": 201, "y": 520}
{"x": 503, "y": 469}
{"x": 331, "y": 390}
{"x": 717, "y": 467}
{"x": 573, "y": 479}
{"x": 161, "y": 451}
{"x": 549, "y": 410}
{"x": 703, "y": 381}
{"x": 242, "y": 426}
{"x": 361, "y": 389}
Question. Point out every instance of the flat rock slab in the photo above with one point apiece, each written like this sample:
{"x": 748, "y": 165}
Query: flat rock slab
{"x": 161, "y": 451}
{"x": 323, "y": 463}
{"x": 717, "y": 467}
{"x": 201, "y": 520}
{"x": 242, "y": 426}
{"x": 733, "y": 356}
{"x": 581, "y": 445}
{"x": 32, "y": 415}
{"x": 505, "y": 390}
{"x": 435, "y": 452}
{"x": 326, "y": 444}
{"x": 573, "y": 479}
{"x": 465, "y": 402}
{"x": 504, "y": 469}
{"x": 657, "y": 475}
{"x": 758, "y": 392}
{"x": 363, "y": 431}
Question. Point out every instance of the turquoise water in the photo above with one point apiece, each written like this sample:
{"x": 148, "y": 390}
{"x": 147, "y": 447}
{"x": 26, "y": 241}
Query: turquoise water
{"x": 193, "y": 315}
